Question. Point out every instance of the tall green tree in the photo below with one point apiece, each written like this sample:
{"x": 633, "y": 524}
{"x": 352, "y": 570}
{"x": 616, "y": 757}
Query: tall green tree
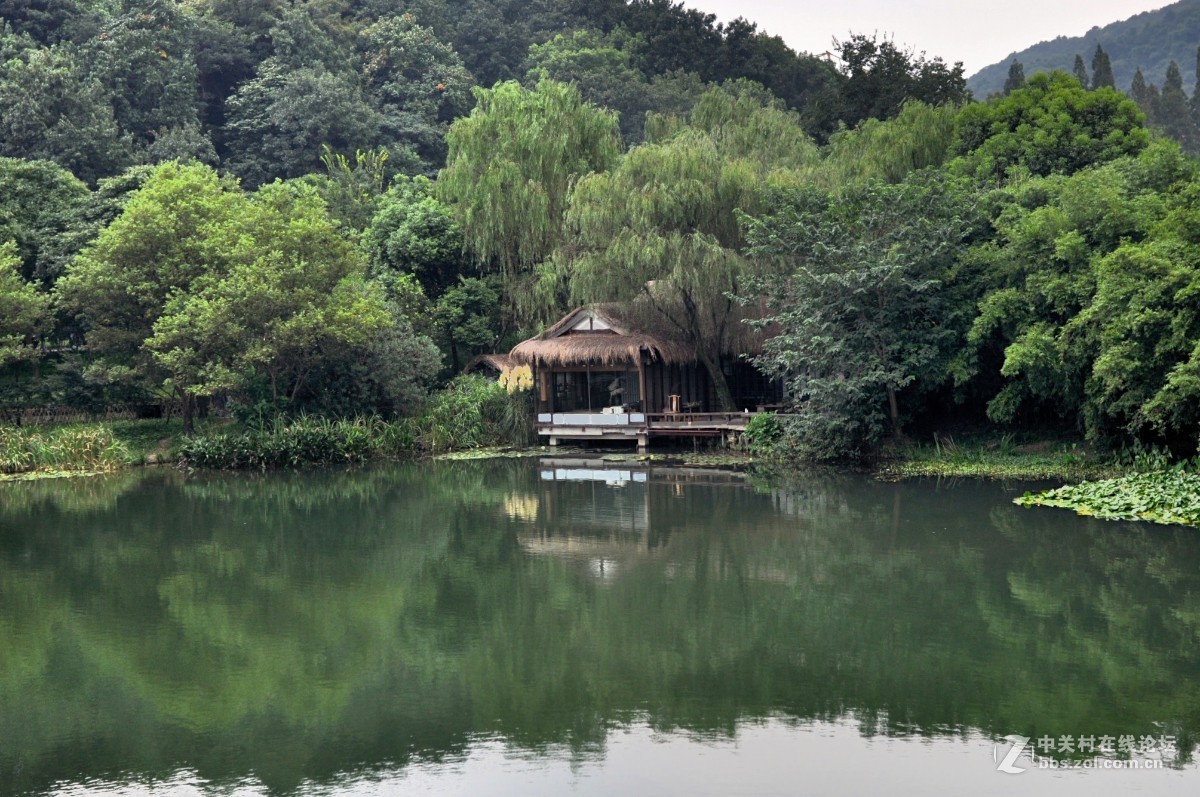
{"x": 1080, "y": 72}
{"x": 919, "y": 137}
{"x": 39, "y": 204}
{"x": 853, "y": 282}
{"x": 417, "y": 83}
{"x": 605, "y": 68}
{"x": 53, "y": 108}
{"x": 660, "y": 230}
{"x": 1015, "y": 79}
{"x": 143, "y": 57}
{"x": 1085, "y": 298}
{"x": 1171, "y": 111}
{"x": 279, "y": 121}
{"x": 1139, "y": 91}
{"x": 181, "y": 225}
{"x": 512, "y": 163}
{"x": 413, "y": 232}
{"x": 879, "y": 77}
{"x": 1051, "y": 125}
{"x": 293, "y": 291}
{"x": 1102, "y": 73}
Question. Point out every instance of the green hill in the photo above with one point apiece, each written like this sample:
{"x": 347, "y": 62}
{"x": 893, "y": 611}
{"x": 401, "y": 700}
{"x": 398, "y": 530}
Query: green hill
{"x": 1150, "y": 40}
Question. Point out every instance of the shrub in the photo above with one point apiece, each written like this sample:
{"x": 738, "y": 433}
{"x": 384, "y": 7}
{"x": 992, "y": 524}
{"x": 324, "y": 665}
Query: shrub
{"x": 473, "y": 412}
{"x": 763, "y": 435}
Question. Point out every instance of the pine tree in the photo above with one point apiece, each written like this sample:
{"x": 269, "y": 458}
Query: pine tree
{"x": 1196, "y": 89}
{"x": 1139, "y": 91}
{"x": 1102, "y": 74}
{"x": 1081, "y": 73}
{"x": 1174, "y": 80}
{"x": 1016, "y": 78}
{"x": 1173, "y": 113}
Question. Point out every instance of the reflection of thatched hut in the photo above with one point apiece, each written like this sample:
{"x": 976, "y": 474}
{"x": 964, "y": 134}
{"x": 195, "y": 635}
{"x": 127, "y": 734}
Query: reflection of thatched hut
{"x": 600, "y": 356}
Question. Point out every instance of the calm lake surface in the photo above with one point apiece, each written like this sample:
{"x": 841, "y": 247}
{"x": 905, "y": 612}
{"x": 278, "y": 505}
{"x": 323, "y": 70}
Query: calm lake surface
{"x": 525, "y": 627}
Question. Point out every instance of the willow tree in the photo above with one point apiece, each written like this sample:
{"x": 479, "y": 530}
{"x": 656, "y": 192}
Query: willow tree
{"x": 660, "y": 231}
{"x": 510, "y": 167}
{"x": 921, "y": 136}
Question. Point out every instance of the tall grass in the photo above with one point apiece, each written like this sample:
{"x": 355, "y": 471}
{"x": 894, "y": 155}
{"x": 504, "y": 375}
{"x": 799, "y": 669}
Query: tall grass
{"x": 473, "y": 412}
{"x": 307, "y": 440}
{"x": 66, "y": 448}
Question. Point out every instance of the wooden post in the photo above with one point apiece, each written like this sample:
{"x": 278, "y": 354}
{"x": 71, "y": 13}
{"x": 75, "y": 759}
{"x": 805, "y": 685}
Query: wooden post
{"x": 544, "y": 389}
{"x": 642, "y": 400}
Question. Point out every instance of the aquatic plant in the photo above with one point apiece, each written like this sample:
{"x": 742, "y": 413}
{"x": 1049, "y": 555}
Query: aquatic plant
{"x": 1169, "y": 496}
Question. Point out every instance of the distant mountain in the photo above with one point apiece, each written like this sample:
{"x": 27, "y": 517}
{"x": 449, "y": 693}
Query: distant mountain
{"x": 1150, "y": 40}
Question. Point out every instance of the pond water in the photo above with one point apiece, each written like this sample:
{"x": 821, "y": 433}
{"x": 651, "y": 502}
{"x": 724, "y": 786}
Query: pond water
{"x": 554, "y": 627}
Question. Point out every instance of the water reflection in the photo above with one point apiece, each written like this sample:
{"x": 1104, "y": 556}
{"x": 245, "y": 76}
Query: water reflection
{"x": 290, "y": 629}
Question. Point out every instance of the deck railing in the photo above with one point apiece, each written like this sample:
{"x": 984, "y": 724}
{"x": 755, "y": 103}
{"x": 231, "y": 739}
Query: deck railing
{"x": 675, "y": 419}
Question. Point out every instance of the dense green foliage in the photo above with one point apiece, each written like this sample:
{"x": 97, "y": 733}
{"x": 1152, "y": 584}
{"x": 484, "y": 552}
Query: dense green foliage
{"x": 471, "y": 412}
{"x": 1062, "y": 296}
{"x": 23, "y": 310}
{"x": 1163, "y": 497}
{"x": 266, "y": 210}
{"x": 856, "y": 296}
{"x": 1052, "y": 125}
{"x": 660, "y": 229}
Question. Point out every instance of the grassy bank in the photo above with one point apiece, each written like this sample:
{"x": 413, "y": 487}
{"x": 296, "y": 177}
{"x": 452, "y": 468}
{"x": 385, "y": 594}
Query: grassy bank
{"x": 47, "y": 451}
{"x": 987, "y": 458}
{"x": 454, "y": 433}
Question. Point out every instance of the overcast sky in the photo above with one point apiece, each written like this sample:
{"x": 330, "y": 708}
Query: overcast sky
{"x": 976, "y": 33}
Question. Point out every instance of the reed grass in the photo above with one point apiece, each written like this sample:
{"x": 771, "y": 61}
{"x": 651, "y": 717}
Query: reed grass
{"x": 92, "y": 448}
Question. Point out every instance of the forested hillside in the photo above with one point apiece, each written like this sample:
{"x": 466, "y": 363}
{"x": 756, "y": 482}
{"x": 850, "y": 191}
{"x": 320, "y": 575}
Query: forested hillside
{"x": 1149, "y": 41}
{"x": 329, "y": 209}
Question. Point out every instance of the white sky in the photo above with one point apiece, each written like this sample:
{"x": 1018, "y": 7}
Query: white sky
{"x": 976, "y": 33}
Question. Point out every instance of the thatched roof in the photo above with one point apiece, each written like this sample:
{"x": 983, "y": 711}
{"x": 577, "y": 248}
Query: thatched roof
{"x": 599, "y": 335}
{"x": 496, "y": 362}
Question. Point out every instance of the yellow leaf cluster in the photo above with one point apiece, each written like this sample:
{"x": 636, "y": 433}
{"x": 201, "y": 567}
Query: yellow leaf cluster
{"x": 518, "y": 378}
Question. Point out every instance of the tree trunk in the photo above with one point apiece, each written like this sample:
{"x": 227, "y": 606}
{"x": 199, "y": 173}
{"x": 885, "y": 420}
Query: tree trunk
{"x": 189, "y": 413}
{"x": 720, "y": 383}
{"x": 894, "y": 409}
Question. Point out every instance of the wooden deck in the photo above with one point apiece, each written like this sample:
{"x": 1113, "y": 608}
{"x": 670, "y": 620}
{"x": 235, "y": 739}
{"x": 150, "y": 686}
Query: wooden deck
{"x": 639, "y": 426}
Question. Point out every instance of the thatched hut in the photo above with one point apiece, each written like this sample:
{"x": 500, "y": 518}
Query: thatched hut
{"x": 490, "y": 365}
{"x": 602, "y": 358}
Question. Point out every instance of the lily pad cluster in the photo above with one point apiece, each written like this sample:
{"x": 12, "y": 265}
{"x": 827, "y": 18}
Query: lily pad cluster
{"x": 1171, "y": 496}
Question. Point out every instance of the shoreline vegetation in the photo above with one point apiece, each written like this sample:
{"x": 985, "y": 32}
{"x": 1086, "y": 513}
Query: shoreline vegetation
{"x": 1142, "y": 487}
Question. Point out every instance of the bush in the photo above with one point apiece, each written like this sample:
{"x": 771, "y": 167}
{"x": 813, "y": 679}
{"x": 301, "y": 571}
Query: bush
{"x": 809, "y": 437}
{"x": 473, "y": 412}
{"x": 763, "y": 435}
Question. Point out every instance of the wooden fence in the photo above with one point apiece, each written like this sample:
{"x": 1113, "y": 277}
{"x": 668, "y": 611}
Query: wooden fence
{"x": 48, "y": 416}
